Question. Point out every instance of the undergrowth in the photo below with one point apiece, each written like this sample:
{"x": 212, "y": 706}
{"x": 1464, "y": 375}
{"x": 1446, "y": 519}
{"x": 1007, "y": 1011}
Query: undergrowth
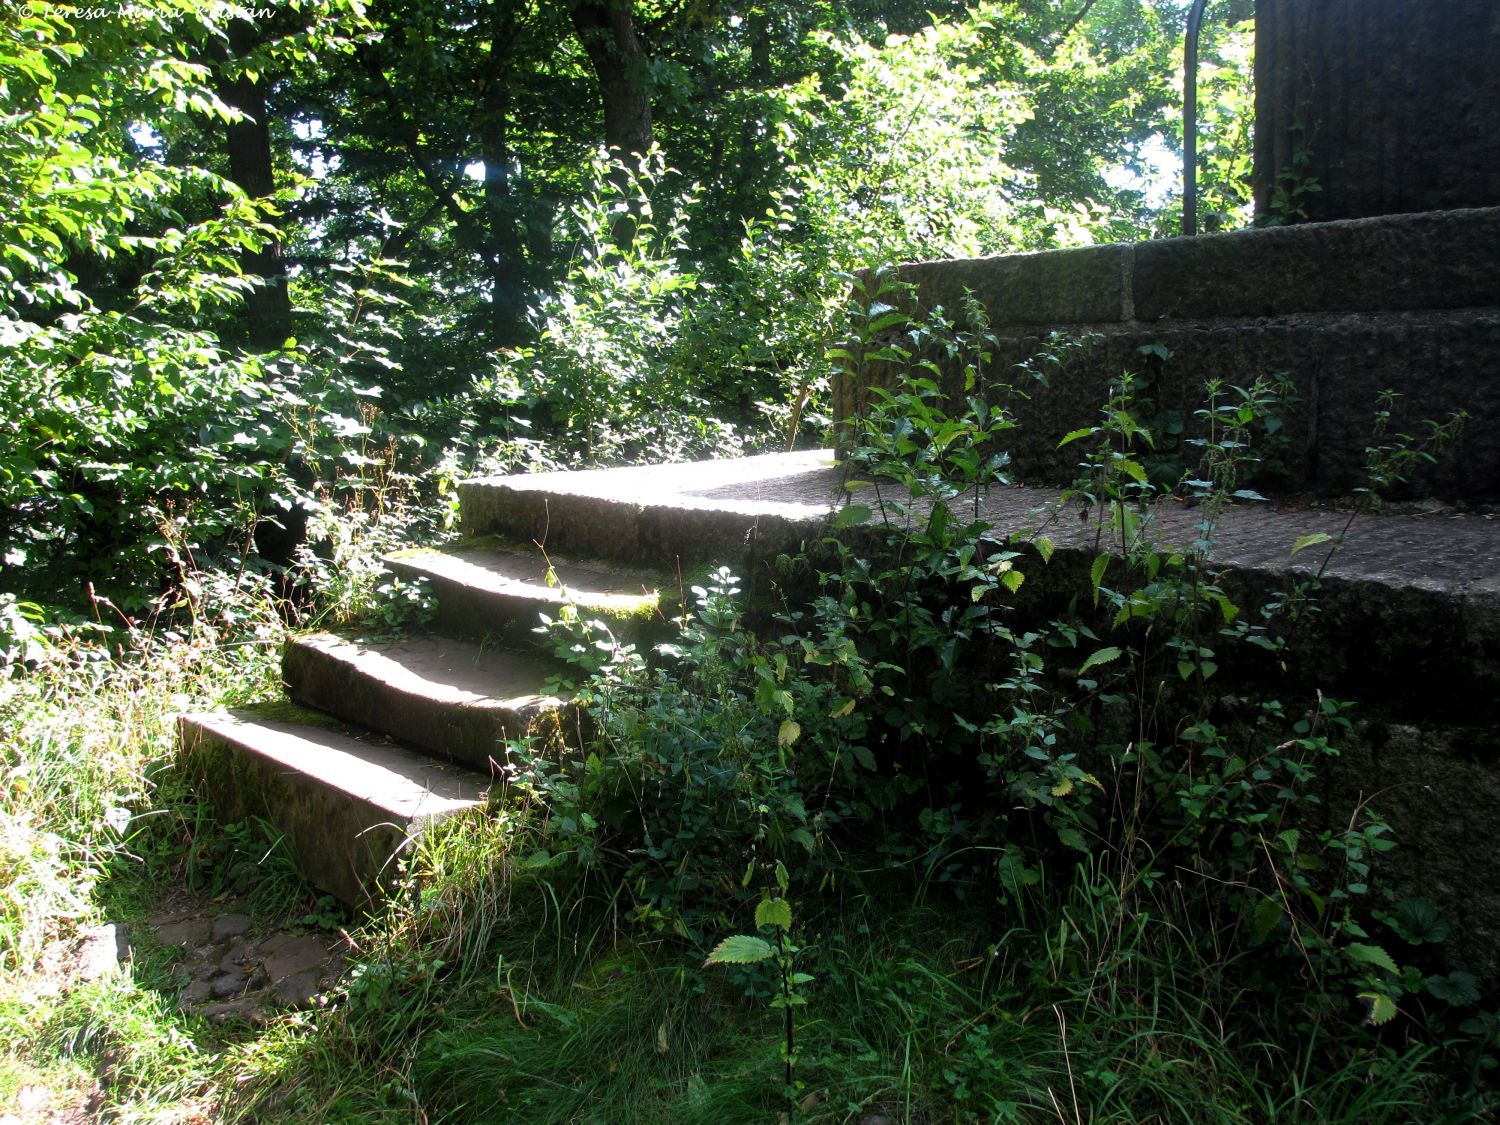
{"x": 896, "y": 851}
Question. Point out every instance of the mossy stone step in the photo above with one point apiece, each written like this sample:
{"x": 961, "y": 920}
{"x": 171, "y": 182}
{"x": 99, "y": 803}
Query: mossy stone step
{"x": 722, "y": 512}
{"x": 453, "y": 698}
{"x": 347, "y": 804}
{"x": 485, "y": 588}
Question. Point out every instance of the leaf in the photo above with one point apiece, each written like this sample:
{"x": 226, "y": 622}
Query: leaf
{"x": 1305, "y": 541}
{"x": 1096, "y": 574}
{"x": 1063, "y": 787}
{"x": 1012, "y": 580}
{"x": 741, "y": 949}
{"x": 1075, "y": 435}
{"x": 1417, "y": 921}
{"x": 1044, "y": 547}
{"x": 774, "y": 912}
{"x": 1268, "y": 915}
{"x": 1370, "y": 955}
{"x": 1072, "y": 838}
{"x": 852, "y": 515}
{"x": 844, "y": 708}
{"x": 790, "y": 731}
{"x": 1102, "y": 656}
{"x": 1458, "y": 988}
{"x": 1381, "y": 1007}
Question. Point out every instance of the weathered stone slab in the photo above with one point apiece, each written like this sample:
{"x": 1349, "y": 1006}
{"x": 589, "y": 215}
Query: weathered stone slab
{"x": 486, "y": 590}
{"x": 1437, "y": 362}
{"x": 721, "y": 511}
{"x": 1411, "y": 602}
{"x": 346, "y": 807}
{"x": 1439, "y": 260}
{"x": 453, "y": 698}
{"x": 1086, "y": 285}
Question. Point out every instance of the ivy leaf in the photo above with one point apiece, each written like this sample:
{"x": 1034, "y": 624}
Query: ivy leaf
{"x": 741, "y": 949}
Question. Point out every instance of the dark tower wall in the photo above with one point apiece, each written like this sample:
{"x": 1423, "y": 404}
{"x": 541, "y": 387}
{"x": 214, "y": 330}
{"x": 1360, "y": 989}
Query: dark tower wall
{"x": 1395, "y": 104}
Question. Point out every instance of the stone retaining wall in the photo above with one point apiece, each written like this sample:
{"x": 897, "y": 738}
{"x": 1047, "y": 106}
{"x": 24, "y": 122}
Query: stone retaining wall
{"x": 1345, "y": 310}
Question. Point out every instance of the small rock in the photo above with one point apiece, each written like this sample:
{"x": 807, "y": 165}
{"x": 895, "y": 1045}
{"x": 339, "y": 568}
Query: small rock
{"x": 229, "y": 926}
{"x": 190, "y": 931}
{"x": 293, "y": 954}
{"x": 196, "y": 992}
{"x": 96, "y": 951}
{"x": 297, "y": 990}
{"x": 229, "y": 984}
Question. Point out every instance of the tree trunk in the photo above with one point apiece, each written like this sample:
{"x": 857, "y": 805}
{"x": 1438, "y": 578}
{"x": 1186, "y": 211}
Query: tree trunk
{"x": 606, "y": 29}
{"x": 268, "y": 309}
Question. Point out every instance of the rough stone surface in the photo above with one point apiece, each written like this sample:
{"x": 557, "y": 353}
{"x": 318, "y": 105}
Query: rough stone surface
{"x": 189, "y": 931}
{"x": 1338, "y": 366}
{"x": 1345, "y": 311}
{"x": 289, "y": 955}
{"x": 1390, "y": 105}
{"x": 1087, "y": 285}
{"x": 1411, "y": 602}
{"x": 451, "y": 697}
{"x": 721, "y": 511}
{"x": 1439, "y": 786}
{"x": 1442, "y": 260}
{"x": 346, "y": 807}
{"x": 239, "y": 969}
{"x": 484, "y": 589}
{"x": 228, "y": 926}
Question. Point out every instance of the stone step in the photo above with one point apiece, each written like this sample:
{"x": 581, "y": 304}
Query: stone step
{"x": 450, "y": 697}
{"x": 487, "y": 589}
{"x": 1410, "y": 605}
{"x": 657, "y": 515}
{"x": 347, "y": 806}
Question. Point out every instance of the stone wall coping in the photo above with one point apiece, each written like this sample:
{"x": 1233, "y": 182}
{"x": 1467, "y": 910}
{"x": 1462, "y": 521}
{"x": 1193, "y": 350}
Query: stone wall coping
{"x": 1392, "y": 263}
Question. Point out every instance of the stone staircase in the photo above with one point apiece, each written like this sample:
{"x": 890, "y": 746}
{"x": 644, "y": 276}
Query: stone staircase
{"x": 385, "y": 737}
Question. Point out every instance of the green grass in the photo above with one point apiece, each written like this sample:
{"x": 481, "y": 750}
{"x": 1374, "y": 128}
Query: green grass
{"x": 502, "y": 992}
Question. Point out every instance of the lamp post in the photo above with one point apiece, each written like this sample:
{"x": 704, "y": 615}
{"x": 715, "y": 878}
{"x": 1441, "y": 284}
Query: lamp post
{"x": 1190, "y": 119}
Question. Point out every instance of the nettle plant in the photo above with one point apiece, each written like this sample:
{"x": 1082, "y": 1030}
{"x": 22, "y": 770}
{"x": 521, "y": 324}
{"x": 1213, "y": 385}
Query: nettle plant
{"x": 1102, "y": 730}
{"x": 718, "y": 751}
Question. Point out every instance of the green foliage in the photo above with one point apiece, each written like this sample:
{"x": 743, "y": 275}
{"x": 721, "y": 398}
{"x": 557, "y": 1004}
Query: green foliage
{"x": 613, "y": 365}
{"x": 773, "y": 914}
